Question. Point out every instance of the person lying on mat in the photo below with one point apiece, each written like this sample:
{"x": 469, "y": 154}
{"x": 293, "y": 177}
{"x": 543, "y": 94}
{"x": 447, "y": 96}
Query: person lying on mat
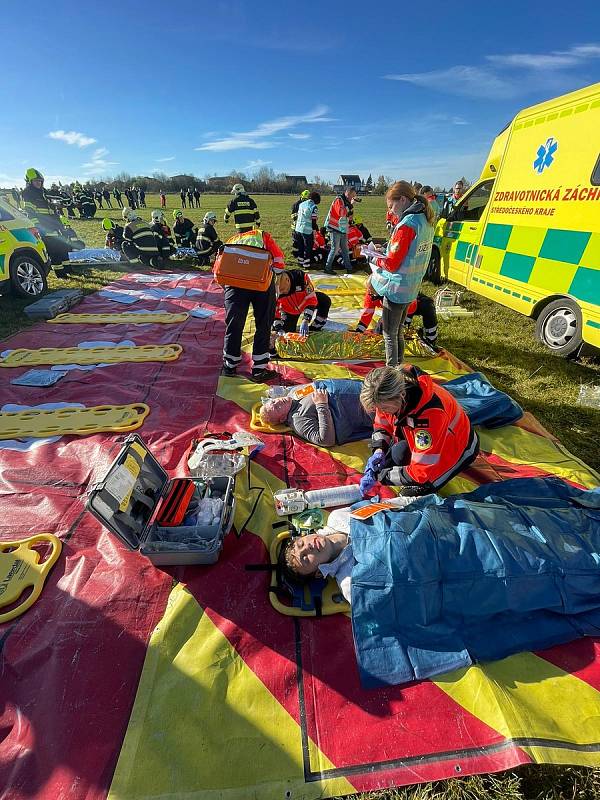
{"x": 447, "y": 582}
{"x": 421, "y": 438}
{"x": 326, "y": 413}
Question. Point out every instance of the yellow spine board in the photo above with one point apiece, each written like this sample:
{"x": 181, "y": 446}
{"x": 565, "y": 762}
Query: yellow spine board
{"x": 20, "y": 570}
{"x": 116, "y": 319}
{"x": 41, "y": 423}
{"x": 91, "y": 355}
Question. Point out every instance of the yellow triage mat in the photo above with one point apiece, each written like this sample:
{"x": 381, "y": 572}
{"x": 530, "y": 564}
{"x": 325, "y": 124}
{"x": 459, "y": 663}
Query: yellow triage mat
{"x": 20, "y": 571}
{"x": 41, "y": 423}
{"x": 114, "y": 319}
{"x": 91, "y": 355}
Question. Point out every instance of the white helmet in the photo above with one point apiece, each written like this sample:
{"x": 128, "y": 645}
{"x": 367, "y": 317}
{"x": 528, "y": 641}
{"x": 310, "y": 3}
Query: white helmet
{"x": 210, "y": 216}
{"x": 158, "y": 216}
{"x": 238, "y": 189}
{"x": 129, "y": 214}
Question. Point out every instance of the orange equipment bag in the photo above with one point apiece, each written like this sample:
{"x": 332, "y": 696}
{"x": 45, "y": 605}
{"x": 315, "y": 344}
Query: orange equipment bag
{"x": 244, "y": 266}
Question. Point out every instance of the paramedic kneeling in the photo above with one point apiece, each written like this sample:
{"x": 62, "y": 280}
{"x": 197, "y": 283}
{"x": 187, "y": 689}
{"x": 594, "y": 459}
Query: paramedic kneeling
{"x": 421, "y": 436}
{"x": 295, "y": 296}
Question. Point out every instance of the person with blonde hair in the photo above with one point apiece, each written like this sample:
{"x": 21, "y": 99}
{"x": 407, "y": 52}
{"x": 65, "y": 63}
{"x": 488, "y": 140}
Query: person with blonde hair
{"x": 397, "y": 273}
{"x": 421, "y": 438}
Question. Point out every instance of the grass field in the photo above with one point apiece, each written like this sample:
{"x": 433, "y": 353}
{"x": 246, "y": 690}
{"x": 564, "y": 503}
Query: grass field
{"x": 496, "y": 341}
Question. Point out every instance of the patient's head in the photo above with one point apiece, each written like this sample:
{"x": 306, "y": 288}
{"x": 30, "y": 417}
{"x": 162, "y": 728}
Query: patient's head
{"x": 303, "y": 555}
{"x": 275, "y": 411}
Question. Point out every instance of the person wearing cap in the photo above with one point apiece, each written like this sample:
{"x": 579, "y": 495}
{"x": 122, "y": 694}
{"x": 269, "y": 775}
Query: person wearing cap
{"x": 184, "y": 230}
{"x": 244, "y": 210}
{"x": 208, "y": 241}
{"x": 114, "y": 234}
{"x": 38, "y": 206}
{"x": 336, "y": 223}
{"x": 304, "y": 195}
{"x": 164, "y": 238}
{"x": 139, "y": 240}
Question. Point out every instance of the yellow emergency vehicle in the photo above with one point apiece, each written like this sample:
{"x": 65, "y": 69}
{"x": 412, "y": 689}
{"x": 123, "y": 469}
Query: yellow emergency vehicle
{"x": 527, "y": 233}
{"x": 24, "y": 262}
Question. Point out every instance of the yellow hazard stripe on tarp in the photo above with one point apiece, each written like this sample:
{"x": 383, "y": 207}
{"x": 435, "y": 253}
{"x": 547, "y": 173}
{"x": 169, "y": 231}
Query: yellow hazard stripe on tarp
{"x": 42, "y": 422}
{"x": 91, "y": 355}
{"x": 203, "y": 725}
{"x": 114, "y": 319}
{"x": 538, "y": 704}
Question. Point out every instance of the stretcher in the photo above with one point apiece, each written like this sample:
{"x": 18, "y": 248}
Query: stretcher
{"x": 91, "y": 355}
{"x": 21, "y": 571}
{"x": 115, "y": 319}
{"x": 42, "y": 423}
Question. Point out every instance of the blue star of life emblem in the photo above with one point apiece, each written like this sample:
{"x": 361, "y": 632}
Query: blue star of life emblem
{"x": 545, "y": 155}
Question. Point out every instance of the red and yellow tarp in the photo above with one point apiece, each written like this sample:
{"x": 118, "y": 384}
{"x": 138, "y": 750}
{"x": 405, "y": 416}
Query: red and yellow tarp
{"x": 128, "y": 681}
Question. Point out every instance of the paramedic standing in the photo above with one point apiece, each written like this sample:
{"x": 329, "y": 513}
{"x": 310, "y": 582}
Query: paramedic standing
{"x": 306, "y": 224}
{"x": 397, "y": 274}
{"x": 336, "y": 223}
{"x": 237, "y": 304}
{"x": 244, "y": 210}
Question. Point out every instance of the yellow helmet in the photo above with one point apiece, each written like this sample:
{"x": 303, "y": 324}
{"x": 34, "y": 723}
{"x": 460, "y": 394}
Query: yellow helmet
{"x": 108, "y": 224}
{"x": 357, "y": 219}
{"x": 33, "y": 174}
{"x": 177, "y": 213}
{"x": 305, "y": 194}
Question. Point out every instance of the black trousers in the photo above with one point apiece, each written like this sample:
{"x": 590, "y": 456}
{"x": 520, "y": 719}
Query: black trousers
{"x": 182, "y": 201}
{"x": 237, "y": 305}
{"x": 289, "y": 324}
{"x": 305, "y": 248}
{"x": 426, "y": 310}
{"x": 149, "y": 259}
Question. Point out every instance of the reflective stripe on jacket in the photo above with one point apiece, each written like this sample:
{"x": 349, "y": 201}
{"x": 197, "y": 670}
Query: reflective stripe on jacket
{"x": 437, "y": 431}
{"x": 245, "y": 212}
{"x": 301, "y": 298}
{"x": 258, "y": 238}
{"x": 139, "y": 234}
{"x": 337, "y": 216}
{"x": 400, "y": 271}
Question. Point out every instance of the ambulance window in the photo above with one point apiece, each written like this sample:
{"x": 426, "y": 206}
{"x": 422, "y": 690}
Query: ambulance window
{"x": 474, "y": 206}
{"x": 4, "y": 214}
{"x": 595, "y": 181}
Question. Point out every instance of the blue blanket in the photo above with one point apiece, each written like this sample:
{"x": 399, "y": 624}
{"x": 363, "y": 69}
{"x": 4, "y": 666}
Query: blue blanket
{"x": 484, "y": 404}
{"x": 510, "y": 567}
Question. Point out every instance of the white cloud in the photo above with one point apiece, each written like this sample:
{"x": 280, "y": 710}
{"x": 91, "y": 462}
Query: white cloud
{"x": 98, "y": 165}
{"x": 462, "y": 79}
{"x": 299, "y": 135}
{"x": 256, "y": 164}
{"x": 72, "y": 137}
{"x": 507, "y": 75}
{"x": 255, "y": 139}
{"x": 168, "y": 158}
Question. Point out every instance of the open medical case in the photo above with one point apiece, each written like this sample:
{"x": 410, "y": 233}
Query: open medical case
{"x": 133, "y": 496}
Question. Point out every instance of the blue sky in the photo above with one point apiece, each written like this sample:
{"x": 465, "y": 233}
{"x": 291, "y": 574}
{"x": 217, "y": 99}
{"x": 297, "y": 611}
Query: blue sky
{"x": 415, "y": 91}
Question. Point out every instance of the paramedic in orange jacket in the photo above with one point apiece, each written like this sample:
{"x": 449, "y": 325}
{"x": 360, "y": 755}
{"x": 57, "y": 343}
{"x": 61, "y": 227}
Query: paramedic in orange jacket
{"x": 295, "y": 296}
{"x": 421, "y": 437}
{"x": 237, "y": 305}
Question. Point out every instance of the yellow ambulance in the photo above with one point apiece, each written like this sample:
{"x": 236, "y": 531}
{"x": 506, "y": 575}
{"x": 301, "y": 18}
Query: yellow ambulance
{"x": 24, "y": 262}
{"x": 527, "y": 233}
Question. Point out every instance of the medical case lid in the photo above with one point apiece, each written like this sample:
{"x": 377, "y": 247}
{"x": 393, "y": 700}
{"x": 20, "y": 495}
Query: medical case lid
{"x": 127, "y": 497}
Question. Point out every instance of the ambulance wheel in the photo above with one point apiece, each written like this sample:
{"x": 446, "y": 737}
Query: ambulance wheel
{"x": 559, "y": 327}
{"x": 434, "y": 269}
{"x": 27, "y": 277}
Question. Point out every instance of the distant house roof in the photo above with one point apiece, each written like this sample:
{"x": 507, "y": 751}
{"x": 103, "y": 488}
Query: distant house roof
{"x": 296, "y": 178}
{"x": 219, "y": 179}
{"x": 348, "y": 179}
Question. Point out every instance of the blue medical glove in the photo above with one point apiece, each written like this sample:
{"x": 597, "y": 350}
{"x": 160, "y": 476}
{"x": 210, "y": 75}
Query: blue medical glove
{"x": 367, "y": 482}
{"x": 304, "y": 327}
{"x": 376, "y": 462}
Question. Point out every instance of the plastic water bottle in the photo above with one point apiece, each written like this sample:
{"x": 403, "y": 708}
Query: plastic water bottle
{"x": 335, "y": 496}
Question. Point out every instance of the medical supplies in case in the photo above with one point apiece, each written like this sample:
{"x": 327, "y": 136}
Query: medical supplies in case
{"x": 244, "y": 266}
{"x": 171, "y": 521}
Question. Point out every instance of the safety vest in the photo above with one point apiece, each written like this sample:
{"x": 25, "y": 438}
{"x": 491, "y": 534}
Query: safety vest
{"x": 301, "y": 296}
{"x": 258, "y": 238}
{"x": 403, "y": 286}
{"x": 337, "y": 216}
{"x": 307, "y": 212}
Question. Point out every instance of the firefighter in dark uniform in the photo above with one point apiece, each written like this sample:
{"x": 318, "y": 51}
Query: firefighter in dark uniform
{"x": 161, "y": 230}
{"x": 86, "y": 204}
{"x": 244, "y": 210}
{"x": 184, "y": 230}
{"x": 139, "y": 242}
{"x": 421, "y": 438}
{"x": 237, "y": 305}
{"x": 208, "y": 241}
{"x": 37, "y": 204}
